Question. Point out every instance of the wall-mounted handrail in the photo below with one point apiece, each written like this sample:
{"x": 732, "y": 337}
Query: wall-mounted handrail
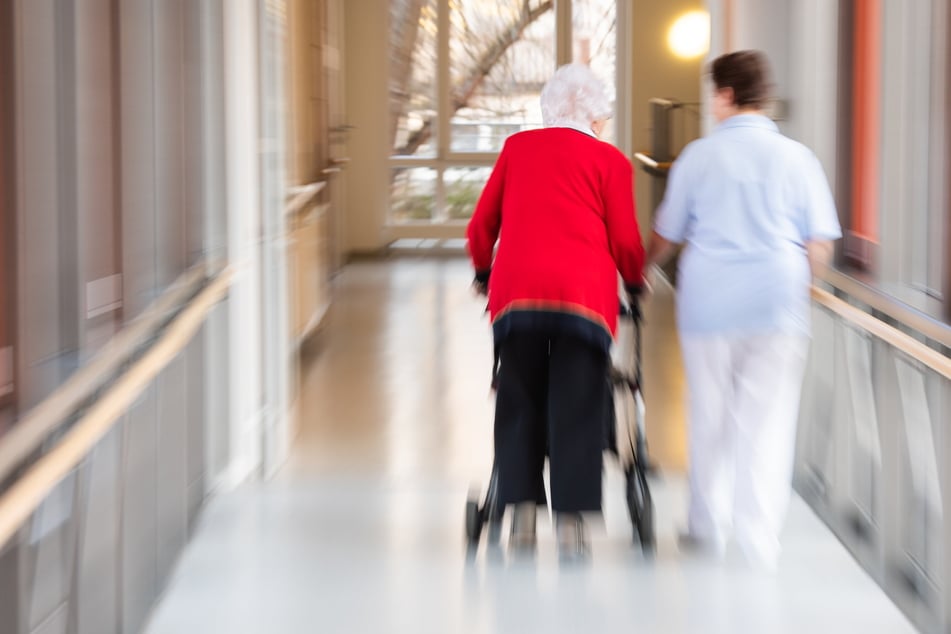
{"x": 299, "y": 197}
{"x": 889, "y": 334}
{"x": 651, "y": 166}
{"x": 28, "y": 492}
{"x": 37, "y": 424}
{"x": 918, "y": 321}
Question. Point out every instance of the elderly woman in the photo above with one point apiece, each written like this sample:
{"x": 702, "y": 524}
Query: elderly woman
{"x": 755, "y": 211}
{"x": 563, "y": 203}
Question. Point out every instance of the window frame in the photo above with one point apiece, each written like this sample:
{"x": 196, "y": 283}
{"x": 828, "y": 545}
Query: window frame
{"x": 440, "y": 226}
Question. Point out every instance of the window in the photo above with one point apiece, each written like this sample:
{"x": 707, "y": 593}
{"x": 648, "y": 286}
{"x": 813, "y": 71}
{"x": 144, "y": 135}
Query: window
{"x": 499, "y": 58}
{"x": 594, "y": 38}
{"x": 413, "y": 68}
{"x": 464, "y": 76}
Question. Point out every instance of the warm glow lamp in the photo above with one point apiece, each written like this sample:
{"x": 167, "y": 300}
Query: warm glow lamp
{"x": 689, "y": 36}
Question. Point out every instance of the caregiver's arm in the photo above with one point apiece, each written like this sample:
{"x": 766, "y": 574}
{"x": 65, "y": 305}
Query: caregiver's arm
{"x": 819, "y": 253}
{"x": 659, "y": 250}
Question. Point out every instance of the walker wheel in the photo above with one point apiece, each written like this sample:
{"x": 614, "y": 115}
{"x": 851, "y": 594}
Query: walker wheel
{"x": 641, "y": 509}
{"x": 646, "y": 532}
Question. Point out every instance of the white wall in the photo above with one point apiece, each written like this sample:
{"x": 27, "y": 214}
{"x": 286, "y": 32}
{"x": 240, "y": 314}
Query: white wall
{"x": 812, "y": 96}
{"x": 244, "y": 240}
{"x": 215, "y": 236}
{"x": 278, "y": 350}
{"x": 800, "y": 38}
{"x": 765, "y": 25}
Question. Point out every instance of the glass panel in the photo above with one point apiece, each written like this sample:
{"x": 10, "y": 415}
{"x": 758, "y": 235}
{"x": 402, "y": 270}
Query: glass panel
{"x": 940, "y": 159}
{"x": 922, "y": 507}
{"x": 413, "y": 194}
{"x": 463, "y": 187}
{"x": 7, "y": 226}
{"x": 594, "y": 30}
{"x": 7, "y": 298}
{"x": 51, "y": 541}
{"x": 501, "y": 54}
{"x": 946, "y": 178}
{"x": 413, "y": 77}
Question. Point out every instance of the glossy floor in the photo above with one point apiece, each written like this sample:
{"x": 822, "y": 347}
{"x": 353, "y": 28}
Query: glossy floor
{"x": 362, "y": 531}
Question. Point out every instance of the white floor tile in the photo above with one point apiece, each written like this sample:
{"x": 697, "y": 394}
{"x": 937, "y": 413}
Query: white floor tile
{"x": 363, "y": 530}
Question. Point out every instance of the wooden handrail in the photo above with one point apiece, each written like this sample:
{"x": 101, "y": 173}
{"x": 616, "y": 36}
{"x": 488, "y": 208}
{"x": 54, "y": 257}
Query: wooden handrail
{"x": 889, "y": 334}
{"x": 896, "y": 308}
{"x": 655, "y": 168}
{"x": 299, "y": 198}
{"x": 30, "y": 431}
{"x": 29, "y": 491}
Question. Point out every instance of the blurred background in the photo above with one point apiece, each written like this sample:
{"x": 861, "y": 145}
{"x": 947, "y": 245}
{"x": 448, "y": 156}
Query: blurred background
{"x": 217, "y": 215}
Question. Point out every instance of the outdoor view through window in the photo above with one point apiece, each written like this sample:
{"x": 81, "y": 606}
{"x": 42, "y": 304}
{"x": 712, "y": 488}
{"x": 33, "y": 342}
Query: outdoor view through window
{"x": 455, "y": 97}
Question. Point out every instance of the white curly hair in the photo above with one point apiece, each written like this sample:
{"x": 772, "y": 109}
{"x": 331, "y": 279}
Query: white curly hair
{"x": 574, "y": 97}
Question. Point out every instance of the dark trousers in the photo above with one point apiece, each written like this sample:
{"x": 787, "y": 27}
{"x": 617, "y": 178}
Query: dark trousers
{"x": 552, "y": 397}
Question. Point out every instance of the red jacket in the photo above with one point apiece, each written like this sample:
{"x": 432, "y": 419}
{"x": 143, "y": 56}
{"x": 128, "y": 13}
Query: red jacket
{"x": 563, "y": 202}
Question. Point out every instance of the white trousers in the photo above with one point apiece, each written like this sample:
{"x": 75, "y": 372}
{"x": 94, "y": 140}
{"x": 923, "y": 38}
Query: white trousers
{"x": 744, "y": 404}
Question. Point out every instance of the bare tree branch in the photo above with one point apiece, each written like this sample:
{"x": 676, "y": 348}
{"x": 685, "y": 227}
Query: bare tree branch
{"x": 406, "y": 28}
{"x": 605, "y": 42}
{"x": 477, "y": 74}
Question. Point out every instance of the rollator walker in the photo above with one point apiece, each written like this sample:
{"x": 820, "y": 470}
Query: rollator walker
{"x": 624, "y": 437}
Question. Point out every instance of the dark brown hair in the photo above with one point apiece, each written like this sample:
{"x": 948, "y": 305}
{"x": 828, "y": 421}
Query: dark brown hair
{"x": 747, "y": 73}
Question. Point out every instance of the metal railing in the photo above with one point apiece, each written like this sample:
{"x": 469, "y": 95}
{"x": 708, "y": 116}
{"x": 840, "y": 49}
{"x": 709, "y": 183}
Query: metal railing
{"x": 104, "y": 479}
{"x": 874, "y": 449}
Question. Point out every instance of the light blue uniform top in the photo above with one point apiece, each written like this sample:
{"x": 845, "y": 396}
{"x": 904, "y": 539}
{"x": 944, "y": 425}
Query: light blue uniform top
{"x": 746, "y": 199}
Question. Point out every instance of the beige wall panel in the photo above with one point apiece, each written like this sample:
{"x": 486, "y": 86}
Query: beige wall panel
{"x": 137, "y": 116}
{"x": 100, "y": 296}
{"x": 366, "y": 38}
{"x": 37, "y": 160}
{"x": 170, "y": 223}
{"x": 656, "y": 72}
